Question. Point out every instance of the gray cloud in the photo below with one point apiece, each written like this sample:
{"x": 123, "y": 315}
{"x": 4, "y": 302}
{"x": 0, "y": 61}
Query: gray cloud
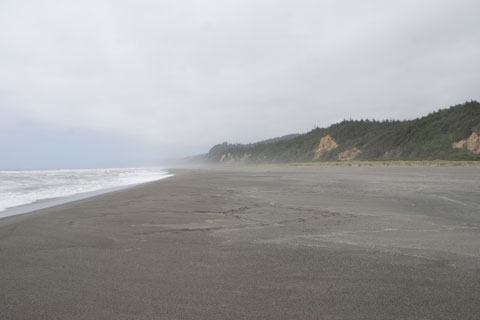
{"x": 195, "y": 73}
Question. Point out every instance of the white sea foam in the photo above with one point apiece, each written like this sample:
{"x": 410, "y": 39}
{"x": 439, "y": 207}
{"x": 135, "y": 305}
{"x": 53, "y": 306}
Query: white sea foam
{"x": 24, "y": 187}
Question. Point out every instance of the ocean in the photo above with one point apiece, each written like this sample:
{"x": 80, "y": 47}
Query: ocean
{"x": 19, "y": 188}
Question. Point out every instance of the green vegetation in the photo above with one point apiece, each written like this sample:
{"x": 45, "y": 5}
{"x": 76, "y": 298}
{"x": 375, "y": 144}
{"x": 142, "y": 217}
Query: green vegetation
{"x": 426, "y": 138}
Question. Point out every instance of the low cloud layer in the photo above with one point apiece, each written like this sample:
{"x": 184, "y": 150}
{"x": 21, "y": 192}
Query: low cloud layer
{"x": 194, "y": 73}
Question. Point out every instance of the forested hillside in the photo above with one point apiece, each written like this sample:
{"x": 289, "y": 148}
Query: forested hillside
{"x": 449, "y": 134}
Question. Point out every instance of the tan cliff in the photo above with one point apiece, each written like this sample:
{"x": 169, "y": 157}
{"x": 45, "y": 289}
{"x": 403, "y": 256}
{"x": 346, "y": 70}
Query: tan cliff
{"x": 472, "y": 143}
{"x": 350, "y": 154}
{"x": 459, "y": 144}
{"x": 228, "y": 157}
{"x": 326, "y": 144}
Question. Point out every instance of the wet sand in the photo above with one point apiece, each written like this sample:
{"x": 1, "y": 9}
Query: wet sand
{"x": 254, "y": 243}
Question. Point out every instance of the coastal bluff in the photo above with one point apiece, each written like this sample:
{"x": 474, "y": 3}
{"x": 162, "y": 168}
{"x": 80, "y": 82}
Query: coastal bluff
{"x": 446, "y": 134}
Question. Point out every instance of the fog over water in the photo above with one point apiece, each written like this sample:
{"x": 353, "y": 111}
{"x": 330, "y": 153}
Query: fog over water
{"x": 105, "y": 83}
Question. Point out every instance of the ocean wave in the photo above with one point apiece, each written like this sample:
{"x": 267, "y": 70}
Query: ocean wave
{"x": 28, "y": 186}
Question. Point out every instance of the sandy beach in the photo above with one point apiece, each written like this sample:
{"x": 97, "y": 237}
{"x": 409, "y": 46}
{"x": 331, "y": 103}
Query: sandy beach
{"x": 254, "y": 243}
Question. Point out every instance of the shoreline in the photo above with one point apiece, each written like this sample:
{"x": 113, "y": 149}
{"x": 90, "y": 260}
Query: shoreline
{"x": 53, "y": 202}
{"x": 253, "y": 243}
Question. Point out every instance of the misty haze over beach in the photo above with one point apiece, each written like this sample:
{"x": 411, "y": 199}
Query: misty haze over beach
{"x": 239, "y": 159}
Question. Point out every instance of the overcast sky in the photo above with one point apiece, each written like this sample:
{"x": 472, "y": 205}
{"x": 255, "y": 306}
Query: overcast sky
{"x": 105, "y": 83}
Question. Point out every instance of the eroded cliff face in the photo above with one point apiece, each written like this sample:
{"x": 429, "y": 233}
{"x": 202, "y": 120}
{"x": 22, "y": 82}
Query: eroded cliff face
{"x": 350, "y": 154}
{"x": 459, "y": 144}
{"x": 472, "y": 143}
{"x": 326, "y": 144}
{"x": 228, "y": 157}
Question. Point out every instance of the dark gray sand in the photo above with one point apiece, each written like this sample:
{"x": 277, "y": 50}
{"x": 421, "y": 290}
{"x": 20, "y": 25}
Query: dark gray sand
{"x": 258, "y": 243}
